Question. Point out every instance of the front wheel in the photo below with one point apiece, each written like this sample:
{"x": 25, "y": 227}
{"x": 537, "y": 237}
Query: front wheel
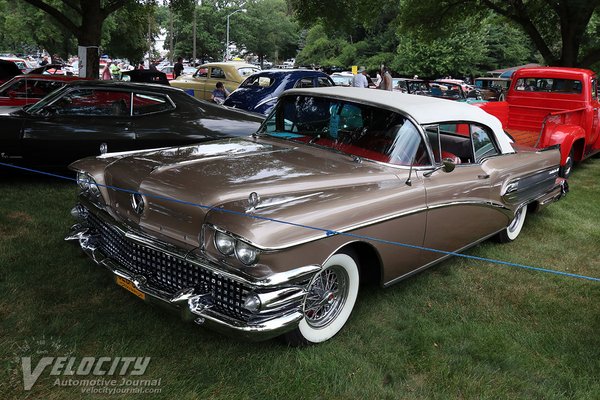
{"x": 511, "y": 232}
{"x": 329, "y": 301}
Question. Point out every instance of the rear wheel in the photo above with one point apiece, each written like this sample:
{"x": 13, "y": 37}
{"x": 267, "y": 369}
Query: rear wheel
{"x": 329, "y": 301}
{"x": 513, "y": 230}
{"x": 565, "y": 170}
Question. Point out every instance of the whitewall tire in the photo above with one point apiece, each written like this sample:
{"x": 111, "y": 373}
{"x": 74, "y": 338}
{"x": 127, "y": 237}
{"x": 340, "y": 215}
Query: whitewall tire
{"x": 329, "y": 302}
{"x": 512, "y": 231}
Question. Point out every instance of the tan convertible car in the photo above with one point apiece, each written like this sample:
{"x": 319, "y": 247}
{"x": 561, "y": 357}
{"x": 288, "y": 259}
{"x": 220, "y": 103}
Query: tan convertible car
{"x": 271, "y": 234}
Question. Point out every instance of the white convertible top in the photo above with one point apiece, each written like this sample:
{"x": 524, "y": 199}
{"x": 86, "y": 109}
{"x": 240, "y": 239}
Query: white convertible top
{"x": 424, "y": 109}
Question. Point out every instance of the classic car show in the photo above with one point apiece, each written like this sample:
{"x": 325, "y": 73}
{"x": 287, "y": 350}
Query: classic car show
{"x": 289, "y": 199}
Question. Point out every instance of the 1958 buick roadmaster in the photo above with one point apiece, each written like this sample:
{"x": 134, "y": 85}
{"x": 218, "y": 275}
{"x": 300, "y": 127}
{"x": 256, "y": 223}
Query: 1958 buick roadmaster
{"x": 224, "y": 232}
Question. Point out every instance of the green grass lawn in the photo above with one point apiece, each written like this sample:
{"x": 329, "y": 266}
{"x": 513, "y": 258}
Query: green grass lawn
{"x": 461, "y": 330}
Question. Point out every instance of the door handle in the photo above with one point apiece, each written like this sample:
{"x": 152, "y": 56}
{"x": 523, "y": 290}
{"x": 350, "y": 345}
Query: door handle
{"x": 483, "y": 176}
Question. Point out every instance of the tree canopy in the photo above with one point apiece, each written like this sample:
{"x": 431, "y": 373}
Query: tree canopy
{"x": 424, "y": 37}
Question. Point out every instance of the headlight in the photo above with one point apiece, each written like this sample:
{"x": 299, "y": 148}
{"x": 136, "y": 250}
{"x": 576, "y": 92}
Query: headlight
{"x": 246, "y": 253}
{"x": 224, "y": 243}
{"x": 83, "y": 180}
{"x": 88, "y": 186}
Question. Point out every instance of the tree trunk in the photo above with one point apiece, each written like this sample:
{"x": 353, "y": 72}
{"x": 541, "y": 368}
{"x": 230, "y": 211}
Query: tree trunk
{"x": 90, "y": 34}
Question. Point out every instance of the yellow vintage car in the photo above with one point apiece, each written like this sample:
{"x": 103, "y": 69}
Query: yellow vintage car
{"x": 204, "y": 80}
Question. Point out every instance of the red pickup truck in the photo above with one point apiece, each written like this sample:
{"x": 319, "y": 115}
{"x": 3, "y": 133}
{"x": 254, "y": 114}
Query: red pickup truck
{"x": 546, "y": 106}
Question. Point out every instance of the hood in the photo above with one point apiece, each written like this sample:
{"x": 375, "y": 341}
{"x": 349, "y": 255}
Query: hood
{"x": 223, "y": 172}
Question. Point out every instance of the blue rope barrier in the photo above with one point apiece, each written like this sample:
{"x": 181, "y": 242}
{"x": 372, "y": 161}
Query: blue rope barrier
{"x": 327, "y": 232}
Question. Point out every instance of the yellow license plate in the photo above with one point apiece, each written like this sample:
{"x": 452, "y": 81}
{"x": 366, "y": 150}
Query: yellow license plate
{"x": 127, "y": 284}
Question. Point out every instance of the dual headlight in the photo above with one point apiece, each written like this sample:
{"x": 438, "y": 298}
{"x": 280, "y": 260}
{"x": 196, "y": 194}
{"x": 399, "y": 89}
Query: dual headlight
{"x": 87, "y": 185}
{"x": 229, "y": 246}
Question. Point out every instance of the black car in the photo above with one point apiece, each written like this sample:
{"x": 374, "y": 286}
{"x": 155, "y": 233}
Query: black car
{"x": 82, "y": 117}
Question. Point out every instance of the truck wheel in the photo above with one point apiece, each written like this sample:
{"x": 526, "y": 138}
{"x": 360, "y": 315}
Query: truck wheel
{"x": 511, "y": 232}
{"x": 565, "y": 170}
{"x": 329, "y": 302}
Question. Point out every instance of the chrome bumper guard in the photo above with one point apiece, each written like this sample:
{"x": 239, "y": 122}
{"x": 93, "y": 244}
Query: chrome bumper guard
{"x": 559, "y": 191}
{"x": 280, "y": 295}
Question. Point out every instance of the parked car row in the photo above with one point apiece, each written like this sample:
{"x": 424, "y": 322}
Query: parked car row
{"x": 265, "y": 223}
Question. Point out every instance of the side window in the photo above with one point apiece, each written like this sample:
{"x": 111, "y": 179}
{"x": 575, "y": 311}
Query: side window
{"x": 594, "y": 89}
{"x": 93, "y": 102}
{"x": 40, "y": 89}
{"x": 18, "y": 89}
{"x": 324, "y": 82}
{"x": 304, "y": 83}
{"x": 482, "y": 143}
{"x": 149, "y": 104}
{"x": 217, "y": 73}
{"x": 455, "y": 142}
{"x": 433, "y": 135}
{"x": 201, "y": 73}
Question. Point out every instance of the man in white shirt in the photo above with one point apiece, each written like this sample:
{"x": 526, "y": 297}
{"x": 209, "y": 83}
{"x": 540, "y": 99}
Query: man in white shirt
{"x": 360, "y": 79}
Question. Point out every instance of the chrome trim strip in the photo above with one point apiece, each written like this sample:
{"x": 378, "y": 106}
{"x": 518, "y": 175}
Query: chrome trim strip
{"x": 365, "y": 224}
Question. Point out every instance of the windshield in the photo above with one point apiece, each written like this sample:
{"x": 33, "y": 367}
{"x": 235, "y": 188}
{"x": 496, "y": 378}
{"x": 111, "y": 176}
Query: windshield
{"x": 51, "y": 98}
{"x": 352, "y": 128}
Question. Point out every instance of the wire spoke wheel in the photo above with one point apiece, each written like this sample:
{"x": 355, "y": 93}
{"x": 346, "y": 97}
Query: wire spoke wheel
{"x": 327, "y": 297}
{"x": 329, "y": 301}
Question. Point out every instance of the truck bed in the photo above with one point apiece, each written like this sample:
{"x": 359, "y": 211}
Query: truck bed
{"x": 524, "y": 137}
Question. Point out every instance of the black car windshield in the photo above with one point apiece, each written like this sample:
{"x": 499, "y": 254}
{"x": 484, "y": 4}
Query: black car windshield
{"x": 51, "y": 98}
{"x": 352, "y": 128}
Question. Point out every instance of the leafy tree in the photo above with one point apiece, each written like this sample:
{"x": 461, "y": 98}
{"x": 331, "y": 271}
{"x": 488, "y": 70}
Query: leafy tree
{"x": 83, "y": 19}
{"x": 563, "y": 31}
{"x": 16, "y": 34}
{"x": 277, "y": 38}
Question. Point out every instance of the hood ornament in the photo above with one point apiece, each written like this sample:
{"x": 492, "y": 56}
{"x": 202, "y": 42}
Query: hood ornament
{"x": 253, "y": 200}
{"x": 138, "y": 203}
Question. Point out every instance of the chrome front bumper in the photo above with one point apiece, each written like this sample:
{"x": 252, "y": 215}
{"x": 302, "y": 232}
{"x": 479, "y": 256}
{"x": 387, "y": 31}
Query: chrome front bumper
{"x": 281, "y": 295}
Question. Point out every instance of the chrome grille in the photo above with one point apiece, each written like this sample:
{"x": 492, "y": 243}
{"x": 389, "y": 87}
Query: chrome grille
{"x": 169, "y": 273}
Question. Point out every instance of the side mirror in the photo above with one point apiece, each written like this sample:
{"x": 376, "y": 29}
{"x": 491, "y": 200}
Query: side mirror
{"x": 448, "y": 165}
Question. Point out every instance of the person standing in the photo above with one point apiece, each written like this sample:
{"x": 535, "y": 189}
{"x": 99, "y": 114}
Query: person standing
{"x": 386, "y": 79}
{"x": 115, "y": 71}
{"x": 360, "y": 79}
{"x": 106, "y": 72}
{"x": 178, "y": 68}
